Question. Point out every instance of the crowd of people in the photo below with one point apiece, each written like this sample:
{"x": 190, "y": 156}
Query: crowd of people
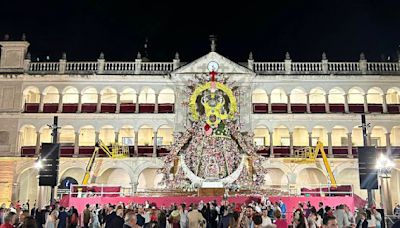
{"x": 264, "y": 214}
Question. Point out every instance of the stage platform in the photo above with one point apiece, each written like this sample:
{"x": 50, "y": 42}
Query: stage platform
{"x": 290, "y": 201}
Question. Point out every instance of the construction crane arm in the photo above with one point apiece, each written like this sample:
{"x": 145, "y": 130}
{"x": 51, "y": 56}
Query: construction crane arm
{"x": 320, "y": 147}
{"x": 89, "y": 165}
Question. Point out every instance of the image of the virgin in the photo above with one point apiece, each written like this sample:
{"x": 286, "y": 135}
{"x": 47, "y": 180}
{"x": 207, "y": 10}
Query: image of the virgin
{"x": 212, "y": 169}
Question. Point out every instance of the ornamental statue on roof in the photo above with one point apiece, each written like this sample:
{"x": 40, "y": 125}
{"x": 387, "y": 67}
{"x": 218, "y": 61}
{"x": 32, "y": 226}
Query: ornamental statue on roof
{"x": 213, "y": 149}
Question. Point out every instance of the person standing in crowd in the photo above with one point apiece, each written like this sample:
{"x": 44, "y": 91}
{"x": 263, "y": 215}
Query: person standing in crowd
{"x": 341, "y": 217}
{"x": 266, "y": 220}
{"x": 196, "y": 219}
{"x": 279, "y": 222}
{"x": 329, "y": 222}
{"x": 282, "y": 205}
{"x": 162, "y": 219}
{"x": 184, "y": 222}
{"x": 377, "y": 216}
{"x": 62, "y": 218}
{"x": 1, "y": 215}
{"x": 29, "y": 222}
{"x": 51, "y": 221}
{"x": 9, "y": 220}
{"x": 362, "y": 223}
{"x": 94, "y": 218}
{"x": 396, "y": 210}
{"x": 130, "y": 220}
{"x": 371, "y": 219}
{"x": 86, "y": 216}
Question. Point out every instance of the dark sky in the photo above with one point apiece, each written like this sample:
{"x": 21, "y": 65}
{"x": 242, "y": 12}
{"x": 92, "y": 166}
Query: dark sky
{"x": 84, "y": 28}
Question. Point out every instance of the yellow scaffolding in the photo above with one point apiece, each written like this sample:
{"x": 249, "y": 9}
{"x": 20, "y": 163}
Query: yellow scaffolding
{"x": 309, "y": 155}
{"x": 117, "y": 151}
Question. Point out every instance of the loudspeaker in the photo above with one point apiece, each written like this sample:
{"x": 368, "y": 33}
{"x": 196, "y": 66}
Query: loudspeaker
{"x": 49, "y": 156}
{"x": 366, "y": 166}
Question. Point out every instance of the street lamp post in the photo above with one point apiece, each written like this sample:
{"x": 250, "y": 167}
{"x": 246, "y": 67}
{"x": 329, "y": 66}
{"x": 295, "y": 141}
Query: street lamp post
{"x": 384, "y": 166}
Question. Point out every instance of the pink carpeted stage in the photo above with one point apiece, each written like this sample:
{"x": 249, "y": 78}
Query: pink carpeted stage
{"x": 290, "y": 201}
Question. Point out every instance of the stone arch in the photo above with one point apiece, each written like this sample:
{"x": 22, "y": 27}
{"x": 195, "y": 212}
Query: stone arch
{"x": 149, "y": 178}
{"x": 108, "y": 95}
{"x": 374, "y": 95}
{"x": 261, "y": 136}
{"x": 278, "y": 96}
{"x": 339, "y": 136}
{"x": 128, "y": 96}
{"x": 393, "y": 96}
{"x": 107, "y": 134}
{"x": 67, "y": 134}
{"x": 29, "y": 135}
{"x": 275, "y": 176}
{"x": 336, "y": 96}
{"x": 300, "y": 136}
{"x": 350, "y": 175}
{"x": 158, "y": 164}
{"x": 145, "y": 135}
{"x": 298, "y": 96}
{"x": 165, "y": 134}
{"x": 45, "y": 134}
{"x": 31, "y": 95}
{"x": 28, "y": 184}
{"x": 127, "y": 135}
{"x": 356, "y": 95}
{"x": 259, "y": 96}
{"x": 319, "y": 133}
{"x": 70, "y": 95}
{"x": 147, "y": 96}
{"x": 51, "y": 95}
{"x": 281, "y": 136}
{"x": 307, "y": 175}
{"x": 166, "y": 96}
{"x": 87, "y": 136}
{"x": 317, "y": 96}
{"x": 89, "y": 95}
{"x": 378, "y": 136}
{"x": 395, "y": 136}
{"x": 115, "y": 176}
{"x": 75, "y": 172}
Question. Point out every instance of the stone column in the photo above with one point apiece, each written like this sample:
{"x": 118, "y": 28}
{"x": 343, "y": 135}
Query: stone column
{"x": 346, "y": 103}
{"x": 76, "y": 144}
{"x": 156, "y": 104}
{"x": 365, "y": 103}
{"x": 98, "y": 107}
{"x": 289, "y": 106}
{"x": 60, "y": 103}
{"x": 97, "y": 136}
{"x": 310, "y": 139}
{"x": 330, "y": 151}
{"x": 271, "y": 144}
{"x": 134, "y": 188}
{"x": 41, "y": 104}
{"x": 37, "y": 150}
{"x": 388, "y": 144}
{"x": 155, "y": 144}
{"x": 384, "y": 104}
{"x": 116, "y": 136}
{"x": 308, "y": 103}
{"x": 137, "y": 104}
{"x": 118, "y": 105}
{"x": 20, "y": 144}
{"x": 327, "y": 109}
{"x": 136, "y": 143}
{"x": 269, "y": 104}
{"x": 291, "y": 143}
{"x": 79, "y": 103}
{"x": 349, "y": 145}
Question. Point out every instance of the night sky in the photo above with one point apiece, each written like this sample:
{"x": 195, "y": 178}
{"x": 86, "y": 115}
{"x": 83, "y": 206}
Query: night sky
{"x": 84, "y": 28}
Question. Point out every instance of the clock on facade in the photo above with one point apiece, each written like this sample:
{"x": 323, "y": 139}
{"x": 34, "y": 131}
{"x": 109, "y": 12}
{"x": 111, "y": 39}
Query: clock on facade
{"x": 212, "y": 66}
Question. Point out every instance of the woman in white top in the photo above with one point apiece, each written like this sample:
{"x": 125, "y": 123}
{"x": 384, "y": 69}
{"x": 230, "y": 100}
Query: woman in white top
{"x": 371, "y": 219}
{"x": 266, "y": 221}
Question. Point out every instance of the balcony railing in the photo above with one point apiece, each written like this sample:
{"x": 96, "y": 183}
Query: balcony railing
{"x": 263, "y": 68}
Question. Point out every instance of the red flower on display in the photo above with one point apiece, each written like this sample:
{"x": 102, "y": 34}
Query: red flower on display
{"x": 206, "y": 127}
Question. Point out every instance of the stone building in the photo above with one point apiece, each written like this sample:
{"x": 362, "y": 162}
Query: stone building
{"x": 287, "y": 105}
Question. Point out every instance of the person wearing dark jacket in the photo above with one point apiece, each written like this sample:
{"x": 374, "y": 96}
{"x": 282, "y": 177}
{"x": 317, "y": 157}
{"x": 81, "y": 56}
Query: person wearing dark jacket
{"x": 116, "y": 221}
{"x": 362, "y": 223}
